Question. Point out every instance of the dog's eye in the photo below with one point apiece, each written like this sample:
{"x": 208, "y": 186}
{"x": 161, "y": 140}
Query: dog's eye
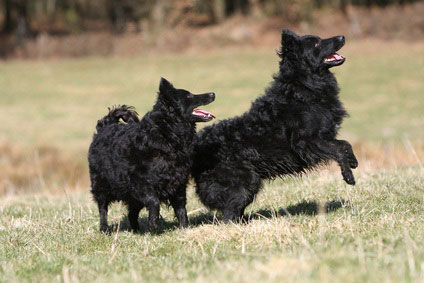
{"x": 317, "y": 44}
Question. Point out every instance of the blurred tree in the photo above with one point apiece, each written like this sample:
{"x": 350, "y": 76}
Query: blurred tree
{"x": 236, "y": 6}
{"x": 9, "y": 23}
{"x": 124, "y": 12}
{"x": 16, "y": 18}
{"x": 219, "y": 10}
{"x": 20, "y": 17}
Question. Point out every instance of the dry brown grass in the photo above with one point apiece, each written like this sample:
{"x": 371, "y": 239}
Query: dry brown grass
{"x": 389, "y": 155}
{"x": 373, "y": 235}
{"x": 47, "y": 168}
{"x": 39, "y": 168}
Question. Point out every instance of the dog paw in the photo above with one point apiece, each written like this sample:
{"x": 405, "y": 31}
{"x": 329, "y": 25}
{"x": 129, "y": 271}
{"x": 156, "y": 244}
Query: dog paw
{"x": 350, "y": 181}
{"x": 136, "y": 229}
{"x": 153, "y": 228}
{"x": 353, "y": 163}
{"x": 106, "y": 229}
{"x": 348, "y": 177}
{"x": 350, "y": 156}
{"x": 183, "y": 225}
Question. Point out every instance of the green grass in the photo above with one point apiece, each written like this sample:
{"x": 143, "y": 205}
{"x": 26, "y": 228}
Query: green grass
{"x": 59, "y": 101}
{"x": 72, "y": 95}
{"x": 375, "y": 235}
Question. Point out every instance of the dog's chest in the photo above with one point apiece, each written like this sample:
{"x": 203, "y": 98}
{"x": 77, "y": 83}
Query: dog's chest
{"x": 326, "y": 116}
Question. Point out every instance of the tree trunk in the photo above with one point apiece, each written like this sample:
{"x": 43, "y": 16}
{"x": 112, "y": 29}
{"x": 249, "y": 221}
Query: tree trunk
{"x": 9, "y": 23}
{"x": 219, "y": 10}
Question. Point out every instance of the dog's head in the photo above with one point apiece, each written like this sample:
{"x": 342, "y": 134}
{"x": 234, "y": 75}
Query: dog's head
{"x": 311, "y": 51}
{"x": 185, "y": 102}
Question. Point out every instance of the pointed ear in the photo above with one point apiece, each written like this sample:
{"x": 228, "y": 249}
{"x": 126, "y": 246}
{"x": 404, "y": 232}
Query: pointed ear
{"x": 289, "y": 40}
{"x": 165, "y": 86}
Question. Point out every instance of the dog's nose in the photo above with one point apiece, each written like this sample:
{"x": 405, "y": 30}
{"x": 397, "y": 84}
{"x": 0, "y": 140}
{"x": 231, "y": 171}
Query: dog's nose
{"x": 341, "y": 38}
{"x": 212, "y": 95}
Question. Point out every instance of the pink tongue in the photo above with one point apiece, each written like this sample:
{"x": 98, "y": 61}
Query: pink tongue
{"x": 335, "y": 56}
{"x": 203, "y": 112}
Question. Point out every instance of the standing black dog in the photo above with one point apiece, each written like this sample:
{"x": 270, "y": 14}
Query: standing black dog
{"x": 289, "y": 130}
{"x": 144, "y": 163}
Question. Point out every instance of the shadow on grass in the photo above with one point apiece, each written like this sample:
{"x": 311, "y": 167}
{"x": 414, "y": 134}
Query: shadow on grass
{"x": 308, "y": 208}
{"x": 124, "y": 225}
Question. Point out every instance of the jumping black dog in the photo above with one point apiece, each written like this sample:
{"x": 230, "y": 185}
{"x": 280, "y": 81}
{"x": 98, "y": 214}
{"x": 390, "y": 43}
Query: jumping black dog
{"x": 144, "y": 163}
{"x": 289, "y": 130}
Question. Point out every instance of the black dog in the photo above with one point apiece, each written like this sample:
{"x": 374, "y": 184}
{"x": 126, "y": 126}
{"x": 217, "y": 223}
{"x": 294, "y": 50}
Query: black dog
{"x": 146, "y": 162}
{"x": 289, "y": 130}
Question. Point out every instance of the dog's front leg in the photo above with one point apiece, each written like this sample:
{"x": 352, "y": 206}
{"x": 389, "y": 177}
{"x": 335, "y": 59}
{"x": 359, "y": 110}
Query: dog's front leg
{"x": 347, "y": 150}
{"x": 346, "y": 171}
{"x": 178, "y": 202}
{"x": 345, "y": 158}
{"x": 337, "y": 150}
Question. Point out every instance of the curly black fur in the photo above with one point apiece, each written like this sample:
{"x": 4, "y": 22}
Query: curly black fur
{"x": 289, "y": 130}
{"x": 116, "y": 113}
{"x": 144, "y": 163}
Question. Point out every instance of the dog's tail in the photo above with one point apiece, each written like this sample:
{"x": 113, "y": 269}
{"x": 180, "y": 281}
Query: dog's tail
{"x": 124, "y": 112}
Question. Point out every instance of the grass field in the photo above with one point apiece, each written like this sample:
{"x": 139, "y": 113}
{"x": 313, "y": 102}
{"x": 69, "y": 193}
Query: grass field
{"x": 59, "y": 102}
{"x": 372, "y": 233}
{"x": 312, "y": 229}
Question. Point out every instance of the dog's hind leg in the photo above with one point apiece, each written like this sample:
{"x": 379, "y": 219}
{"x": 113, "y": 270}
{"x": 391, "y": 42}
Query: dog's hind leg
{"x": 230, "y": 188}
{"x": 178, "y": 202}
{"x": 232, "y": 214}
{"x": 133, "y": 211}
{"x": 234, "y": 209}
{"x": 103, "y": 208}
{"x": 217, "y": 193}
{"x": 153, "y": 206}
{"x": 99, "y": 189}
{"x": 241, "y": 197}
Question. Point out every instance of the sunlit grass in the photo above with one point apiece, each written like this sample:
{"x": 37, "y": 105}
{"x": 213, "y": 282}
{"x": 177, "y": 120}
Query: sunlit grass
{"x": 59, "y": 101}
{"x": 56, "y": 103}
{"x": 372, "y": 234}
{"x": 48, "y": 112}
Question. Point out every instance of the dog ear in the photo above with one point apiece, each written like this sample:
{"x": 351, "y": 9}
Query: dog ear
{"x": 289, "y": 40}
{"x": 165, "y": 86}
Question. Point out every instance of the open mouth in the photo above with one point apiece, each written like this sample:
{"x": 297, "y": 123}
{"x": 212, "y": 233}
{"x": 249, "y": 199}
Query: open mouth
{"x": 334, "y": 59}
{"x": 203, "y": 115}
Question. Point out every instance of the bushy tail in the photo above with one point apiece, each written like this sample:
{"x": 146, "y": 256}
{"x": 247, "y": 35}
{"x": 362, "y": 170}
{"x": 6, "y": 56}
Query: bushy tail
{"x": 124, "y": 112}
